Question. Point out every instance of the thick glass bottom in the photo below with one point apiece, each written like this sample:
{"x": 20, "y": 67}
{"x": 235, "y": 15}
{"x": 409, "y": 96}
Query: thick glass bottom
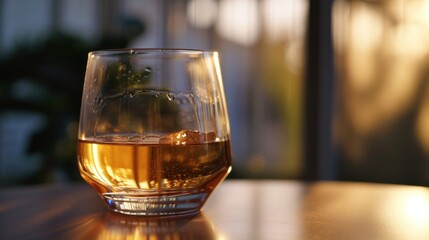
{"x": 170, "y": 204}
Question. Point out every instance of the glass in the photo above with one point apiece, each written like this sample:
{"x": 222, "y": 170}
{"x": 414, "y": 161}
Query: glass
{"x": 154, "y": 135}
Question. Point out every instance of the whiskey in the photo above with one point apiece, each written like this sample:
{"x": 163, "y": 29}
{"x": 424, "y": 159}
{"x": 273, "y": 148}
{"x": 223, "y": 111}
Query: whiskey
{"x": 153, "y": 168}
{"x": 153, "y": 131}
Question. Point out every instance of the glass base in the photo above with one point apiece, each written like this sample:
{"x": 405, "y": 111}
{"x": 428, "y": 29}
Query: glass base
{"x": 155, "y": 205}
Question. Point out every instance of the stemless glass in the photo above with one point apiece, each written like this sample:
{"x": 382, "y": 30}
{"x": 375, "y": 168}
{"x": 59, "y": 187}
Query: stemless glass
{"x": 154, "y": 134}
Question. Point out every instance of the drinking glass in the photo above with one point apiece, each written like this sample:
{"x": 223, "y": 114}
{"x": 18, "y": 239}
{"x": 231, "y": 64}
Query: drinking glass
{"x": 154, "y": 135}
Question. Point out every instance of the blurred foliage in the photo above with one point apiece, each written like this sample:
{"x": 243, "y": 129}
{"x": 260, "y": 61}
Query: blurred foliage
{"x": 53, "y": 69}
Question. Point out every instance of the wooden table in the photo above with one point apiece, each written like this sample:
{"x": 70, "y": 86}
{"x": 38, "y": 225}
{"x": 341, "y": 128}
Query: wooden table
{"x": 242, "y": 209}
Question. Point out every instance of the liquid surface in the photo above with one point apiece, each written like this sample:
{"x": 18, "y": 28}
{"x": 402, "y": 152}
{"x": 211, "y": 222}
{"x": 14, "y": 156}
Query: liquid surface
{"x": 165, "y": 166}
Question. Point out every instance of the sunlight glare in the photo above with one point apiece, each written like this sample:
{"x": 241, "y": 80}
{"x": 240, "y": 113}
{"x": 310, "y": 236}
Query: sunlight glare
{"x": 284, "y": 18}
{"x": 238, "y": 21}
{"x": 201, "y": 13}
{"x": 413, "y": 208}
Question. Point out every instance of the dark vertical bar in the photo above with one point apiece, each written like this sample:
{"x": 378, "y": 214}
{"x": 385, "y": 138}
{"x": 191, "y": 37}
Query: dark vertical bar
{"x": 328, "y": 165}
{"x": 166, "y": 10}
{"x": 56, "y": 8}
{"x": 311, "y": 95}
{"x": 1, "y": 24}
{"x": 319, "y": 160}
{"x": 2, "y": 97}
{"x": 109, "y": 15}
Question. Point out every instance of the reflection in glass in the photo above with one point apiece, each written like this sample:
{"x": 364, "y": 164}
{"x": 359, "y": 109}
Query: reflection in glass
{"x": 114, "y": 226}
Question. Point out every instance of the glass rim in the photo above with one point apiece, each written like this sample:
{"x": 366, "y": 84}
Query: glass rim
{"x": 150, "y": 51}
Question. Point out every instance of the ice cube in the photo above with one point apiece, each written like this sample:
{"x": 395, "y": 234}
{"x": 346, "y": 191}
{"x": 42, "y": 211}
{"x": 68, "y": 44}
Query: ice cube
{"x": 144, "y": 139}
{"x": 187, "y": 137}
{"x": 151, "y": 139}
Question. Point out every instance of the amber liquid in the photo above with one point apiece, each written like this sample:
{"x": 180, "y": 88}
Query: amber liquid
{"x": 153, "y": 168}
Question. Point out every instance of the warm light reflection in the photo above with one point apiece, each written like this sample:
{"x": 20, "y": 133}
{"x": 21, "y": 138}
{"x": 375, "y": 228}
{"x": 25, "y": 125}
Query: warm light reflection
{"x": 221, "y": 237}
{"x": 416, "y": 208}
{"x": 98, "y": 163}
{"x": 115, "y": 226}
{"x": 413, "y": 208}
{"x": 238, "y": 21}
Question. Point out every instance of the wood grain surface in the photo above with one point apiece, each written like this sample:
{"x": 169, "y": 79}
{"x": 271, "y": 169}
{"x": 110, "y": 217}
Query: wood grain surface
{"x": 238, "y": 209}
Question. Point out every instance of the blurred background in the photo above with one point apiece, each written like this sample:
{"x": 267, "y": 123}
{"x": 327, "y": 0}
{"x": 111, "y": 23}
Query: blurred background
{"x": 332, "y": 90}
